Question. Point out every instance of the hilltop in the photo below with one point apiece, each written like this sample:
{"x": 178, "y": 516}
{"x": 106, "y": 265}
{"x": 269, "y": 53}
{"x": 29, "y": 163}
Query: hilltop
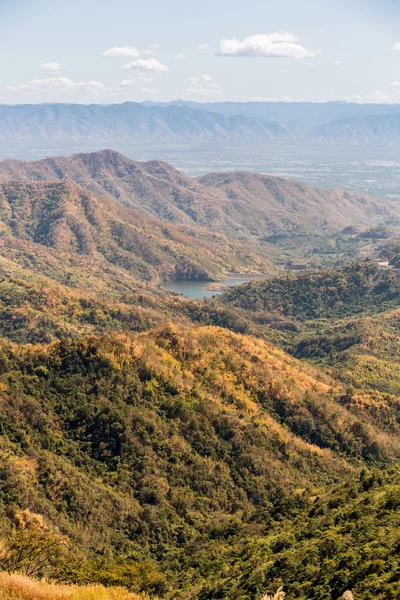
{"x": 237, "y": 204}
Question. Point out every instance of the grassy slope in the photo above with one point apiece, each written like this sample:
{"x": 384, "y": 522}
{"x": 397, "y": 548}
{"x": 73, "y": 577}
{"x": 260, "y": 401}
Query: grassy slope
{"x": 17, "y": 587}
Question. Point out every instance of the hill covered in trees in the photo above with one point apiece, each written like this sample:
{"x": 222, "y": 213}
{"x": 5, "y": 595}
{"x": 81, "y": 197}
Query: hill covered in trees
{"x": 237, "y": 204}
{"x": 67, "y": 232}
{"x": 345, "y": 291}
{"x": 189, "y": 450}
{"x": 176, "y": 442}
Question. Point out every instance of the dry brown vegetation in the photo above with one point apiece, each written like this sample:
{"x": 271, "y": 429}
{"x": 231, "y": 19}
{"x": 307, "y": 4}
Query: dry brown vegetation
{"x": 41, "y": 223}
{"x": 18, "y": 587}
{"x": 233, "y": 203}
{"x": 164, "y": 446}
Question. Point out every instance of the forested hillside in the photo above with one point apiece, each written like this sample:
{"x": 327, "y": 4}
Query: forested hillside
{"x": 238, "y": 204}
{"x": 346, "y": 291}
{"x": 180, "y": 449}
{"x": 70, "y": 234}
{"x": 191, "y": 436}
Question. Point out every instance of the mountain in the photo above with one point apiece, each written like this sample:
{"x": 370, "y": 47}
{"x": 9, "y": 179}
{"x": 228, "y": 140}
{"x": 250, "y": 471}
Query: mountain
{"x": 196, "y": 123}
{"x": 302, "y": 116}
{"x": 153, "y": 450}
{"x": 344, "y": 319}
{"x": 276, "y": 205}
{"x": 237, "y": 204}
{"x": 361, "y": 130}
{"x": 191, "y": 450}
{"x": 131, "y": 121}
{"x": 71, "y": 235}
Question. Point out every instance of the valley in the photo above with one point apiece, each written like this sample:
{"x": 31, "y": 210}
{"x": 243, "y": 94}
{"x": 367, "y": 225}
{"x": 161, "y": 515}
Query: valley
{"x": 181, "y": 415}
{"x": 199, "y": 300}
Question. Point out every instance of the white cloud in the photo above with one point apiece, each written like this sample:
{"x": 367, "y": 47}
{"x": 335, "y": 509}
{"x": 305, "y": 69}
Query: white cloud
{"x": 395, "y": 83}
{"x": 66, "y": 85}
{"x": 397, "y": 47}
{"x": 273, "y": 45}
{"x": 150, "y": 91}
{"x": 52, "y": 66}
{"x": 204, "y": 48}
{"x": 202, "y": 86}
{"x": 269, "y": 99}
{"x": 126, "y": 83}
{"x": 140, "y": 80}
{"x": 60, "y": 84}
{"x": 199, "y": 80}
{"x": 151, "y": 49}
{"x": 144, "y": 79}
{"x": 124, "y": 51}
{"x": 337, "y": 63}
{"x": 180, "y": 57}
{"x": 376, "y": 97}
{"x": 146, "y": 65}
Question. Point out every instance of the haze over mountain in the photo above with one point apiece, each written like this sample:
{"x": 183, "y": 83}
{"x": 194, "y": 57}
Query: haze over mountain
{"x": 261, "y": 122}
{"x": 131, "y": 121}
{"x": 236, "y": 204}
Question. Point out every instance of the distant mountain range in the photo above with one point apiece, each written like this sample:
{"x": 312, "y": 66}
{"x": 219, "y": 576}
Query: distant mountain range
{"x": 194, "y": 123}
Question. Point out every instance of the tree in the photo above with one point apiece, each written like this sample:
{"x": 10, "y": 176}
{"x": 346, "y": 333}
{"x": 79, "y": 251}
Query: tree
{"x": 31, "y": 546}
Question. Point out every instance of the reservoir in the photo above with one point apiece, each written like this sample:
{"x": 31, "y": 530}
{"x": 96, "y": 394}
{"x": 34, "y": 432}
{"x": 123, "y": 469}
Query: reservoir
{"x": 197, "y": 290}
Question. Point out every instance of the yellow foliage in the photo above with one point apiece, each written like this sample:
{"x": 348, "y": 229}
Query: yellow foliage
{"x": 17, "y": 587}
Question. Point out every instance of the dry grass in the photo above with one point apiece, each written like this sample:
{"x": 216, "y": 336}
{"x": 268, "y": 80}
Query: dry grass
{"x": 280, "y": 595}
{"x": 18, "y": 587}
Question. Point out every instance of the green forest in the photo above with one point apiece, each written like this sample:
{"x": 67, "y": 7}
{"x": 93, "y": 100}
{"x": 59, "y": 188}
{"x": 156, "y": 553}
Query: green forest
{"x": 158, "y": 447}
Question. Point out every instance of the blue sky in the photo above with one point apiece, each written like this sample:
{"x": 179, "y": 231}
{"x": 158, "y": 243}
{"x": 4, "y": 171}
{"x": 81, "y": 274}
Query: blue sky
{"x": 102, "y": 51}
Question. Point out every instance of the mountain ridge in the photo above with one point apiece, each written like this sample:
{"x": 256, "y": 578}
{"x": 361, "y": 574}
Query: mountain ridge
{"x": 219, "y": 201}
{"x": 194, "y": 123}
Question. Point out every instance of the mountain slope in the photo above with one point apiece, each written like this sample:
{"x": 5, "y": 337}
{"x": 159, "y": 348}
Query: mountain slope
{"x": 64, "y": 231}
{"x": 361, "y": 130}
{"x": 184, "y": 460}
{"x": 191, "y": 122}
{"x": 131, "y": 121}
{"x": 140, "y": 448}
{"x": 239, "y": 204}
{"x": 281, "y": 205}
{"x": 345, "y": 320}
{"x": 342, "y": 292}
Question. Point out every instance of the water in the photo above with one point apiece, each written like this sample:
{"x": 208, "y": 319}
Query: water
{"x": 196, "y": 290}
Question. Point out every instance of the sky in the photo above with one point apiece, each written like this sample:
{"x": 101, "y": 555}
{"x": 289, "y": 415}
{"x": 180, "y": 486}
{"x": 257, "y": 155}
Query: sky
{"x": 97, "y": 51}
